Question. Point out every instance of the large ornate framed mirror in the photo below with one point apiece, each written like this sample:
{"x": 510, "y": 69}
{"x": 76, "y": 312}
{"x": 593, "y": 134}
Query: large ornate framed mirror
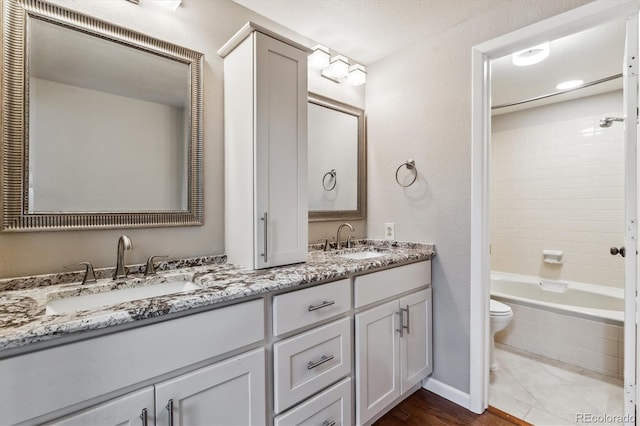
{"x": 337, "y": 160}
{"x": 102, "y": 126}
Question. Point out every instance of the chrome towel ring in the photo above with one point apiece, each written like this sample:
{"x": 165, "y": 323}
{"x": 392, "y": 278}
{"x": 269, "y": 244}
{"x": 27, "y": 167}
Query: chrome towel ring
{"x": 411, "y": 165}
{"x": 332, "y": 176}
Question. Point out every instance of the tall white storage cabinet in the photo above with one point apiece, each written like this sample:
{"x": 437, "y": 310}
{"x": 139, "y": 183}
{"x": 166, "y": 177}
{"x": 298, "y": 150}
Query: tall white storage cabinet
{"x": 265, "y": 107}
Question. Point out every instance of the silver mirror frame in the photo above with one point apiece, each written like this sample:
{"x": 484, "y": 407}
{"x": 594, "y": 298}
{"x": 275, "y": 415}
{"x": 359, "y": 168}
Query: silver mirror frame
{"x": 15, "y": 107}
{"x": 360, "y": 212}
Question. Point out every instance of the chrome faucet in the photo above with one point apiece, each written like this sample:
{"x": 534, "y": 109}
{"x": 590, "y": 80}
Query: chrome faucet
{"x": 124, "y": 243}
{"x": 338, "y": 235}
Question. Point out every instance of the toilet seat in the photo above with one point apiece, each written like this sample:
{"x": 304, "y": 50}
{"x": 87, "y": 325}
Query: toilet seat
{"x": 498, "y": 308}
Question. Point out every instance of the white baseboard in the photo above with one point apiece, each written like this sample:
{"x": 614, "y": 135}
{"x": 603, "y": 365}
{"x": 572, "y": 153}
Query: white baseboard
{"x": 448, "y": 392}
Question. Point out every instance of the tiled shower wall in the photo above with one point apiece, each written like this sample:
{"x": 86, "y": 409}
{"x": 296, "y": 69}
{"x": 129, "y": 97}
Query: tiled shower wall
{"x": 557, "y": 182}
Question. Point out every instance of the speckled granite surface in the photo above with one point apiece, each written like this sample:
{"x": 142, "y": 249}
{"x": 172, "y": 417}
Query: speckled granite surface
{"x": 23, "y": 317}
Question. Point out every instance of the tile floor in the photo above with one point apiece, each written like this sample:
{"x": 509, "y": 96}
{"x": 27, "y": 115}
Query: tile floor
{"x": 546, "y": 392}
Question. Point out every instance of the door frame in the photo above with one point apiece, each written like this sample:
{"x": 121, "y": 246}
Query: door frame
{"x": 581, "y": 18}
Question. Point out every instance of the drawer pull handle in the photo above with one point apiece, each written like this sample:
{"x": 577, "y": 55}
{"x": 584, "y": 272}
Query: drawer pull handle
{"x": 324, "y": 304}
{"x": 144, "y": 417}
{"x": 325, "y": 358}
{"x": 170, "y": 410}
{"x": 329, "y": 423}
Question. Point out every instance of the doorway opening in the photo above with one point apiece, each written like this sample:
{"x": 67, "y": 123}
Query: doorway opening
{"x": 519, "y": 126}
{"x": 556, "y": 205}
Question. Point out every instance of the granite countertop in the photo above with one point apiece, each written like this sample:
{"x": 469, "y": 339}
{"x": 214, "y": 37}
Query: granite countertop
{"x": 24, "y": 321}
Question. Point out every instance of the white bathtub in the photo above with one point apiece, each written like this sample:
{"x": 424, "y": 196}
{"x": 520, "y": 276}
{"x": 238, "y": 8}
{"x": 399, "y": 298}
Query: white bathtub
{"x": 577, "y": 323}
{"x": 594, "y": 302}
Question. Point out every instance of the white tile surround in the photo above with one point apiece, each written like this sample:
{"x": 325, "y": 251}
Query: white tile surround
{"x": 550, "y": 393}
{"x": 584, "y": 343}
{"x": 558, "y": 185}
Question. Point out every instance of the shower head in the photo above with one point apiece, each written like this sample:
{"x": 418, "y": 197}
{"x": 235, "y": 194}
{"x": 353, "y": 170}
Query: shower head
{"x": 608, "y": 121}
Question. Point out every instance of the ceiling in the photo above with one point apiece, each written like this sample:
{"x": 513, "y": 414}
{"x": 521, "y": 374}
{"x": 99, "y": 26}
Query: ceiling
{"x": 588, "y": 55}
{"x": 369, "y": 30}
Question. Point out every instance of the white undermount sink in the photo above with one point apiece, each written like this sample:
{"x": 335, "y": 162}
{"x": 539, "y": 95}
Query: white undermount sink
{"x": 362, "y": 255}
{"x": 88, "y": 301}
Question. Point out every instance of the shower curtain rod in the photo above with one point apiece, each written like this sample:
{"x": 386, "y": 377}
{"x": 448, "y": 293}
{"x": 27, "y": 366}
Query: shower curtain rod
{"x": 562, "y": 92}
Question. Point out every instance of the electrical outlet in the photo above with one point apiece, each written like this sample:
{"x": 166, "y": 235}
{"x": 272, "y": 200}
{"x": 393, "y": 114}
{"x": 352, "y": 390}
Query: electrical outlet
{"x": 389, "y": 231}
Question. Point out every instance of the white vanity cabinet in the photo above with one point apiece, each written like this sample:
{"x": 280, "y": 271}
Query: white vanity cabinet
{"x": 52, "y": 383}
{"x": 393, "y": 339}
{"x": 135, "y": 408}
{"x": 308, "y": 364}
{"x": 265, "y": 107}
{"x": 231, "y": 392}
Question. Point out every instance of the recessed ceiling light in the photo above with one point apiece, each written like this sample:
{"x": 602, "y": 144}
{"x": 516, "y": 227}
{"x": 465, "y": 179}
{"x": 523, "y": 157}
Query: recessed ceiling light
{"x": 571, "y": 84}
{"x": 531, "y": 55}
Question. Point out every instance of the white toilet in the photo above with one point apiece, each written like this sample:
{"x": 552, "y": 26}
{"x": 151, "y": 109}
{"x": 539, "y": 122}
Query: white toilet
{"x": 501, "y": 315}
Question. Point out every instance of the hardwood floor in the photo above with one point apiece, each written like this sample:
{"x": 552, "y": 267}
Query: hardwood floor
{"x": 426, "y": 408}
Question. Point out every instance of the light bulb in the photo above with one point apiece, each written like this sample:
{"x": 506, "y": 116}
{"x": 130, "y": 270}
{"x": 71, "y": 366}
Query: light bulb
{"x": 319, "y": 58}
{"x": 357, "y": 75}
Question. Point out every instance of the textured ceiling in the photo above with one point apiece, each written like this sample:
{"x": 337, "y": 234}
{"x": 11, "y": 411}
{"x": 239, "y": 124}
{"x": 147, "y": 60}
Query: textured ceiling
{"x": 588, "y": 55}
{"x": 368, "y": 30}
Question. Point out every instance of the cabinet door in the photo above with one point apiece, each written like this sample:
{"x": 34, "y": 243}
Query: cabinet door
{"x": 228, "y": 393}
{"x": 377, "y": 360}
{"x": 126, "y": 410}
{"x": 415, "y": 345}
{"x": 281, "y": 222}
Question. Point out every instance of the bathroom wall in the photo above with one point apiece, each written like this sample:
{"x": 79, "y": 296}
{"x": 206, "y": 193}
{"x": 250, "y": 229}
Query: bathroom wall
{"x": 201, "y": 25}
{"x": 557, "y": 182}
{"x": 419, "y": 106}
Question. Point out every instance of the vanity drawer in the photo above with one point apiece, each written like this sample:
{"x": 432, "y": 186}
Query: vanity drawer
{"x": 309, "y": 362}
{"x": 333, "y": 406}
{"x": 377, "y": 286}
{"x": 305, "y": 307}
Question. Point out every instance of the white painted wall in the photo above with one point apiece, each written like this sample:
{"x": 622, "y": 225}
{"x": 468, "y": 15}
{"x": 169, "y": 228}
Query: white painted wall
{"x": 419, "y": 106}
{"x": 557, "y": 183}
{"x": 133, "y": 158}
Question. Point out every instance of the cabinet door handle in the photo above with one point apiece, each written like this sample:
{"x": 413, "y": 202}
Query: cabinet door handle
{"x": 144, "y": 417}
{"x": 406, "y": 309}
{"x": 401, "y": 330}
{"x": 170, "y": 410}
{"x": 329, "y": 423}
{"x": 265, "y": 249}
{"x": 325, "y": 358}
{"x": 324, "y": 304}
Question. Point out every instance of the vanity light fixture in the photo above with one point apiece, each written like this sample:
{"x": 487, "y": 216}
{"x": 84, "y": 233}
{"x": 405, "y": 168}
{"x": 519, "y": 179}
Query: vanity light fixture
{"x": 319, "y": 59}
{"x": 570, "y": 84}
{"x": 338, "y": 67}
{"x": 169, "y": 4}
{"x": 357, "y": 75}
{"x": 531, "y": 55}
